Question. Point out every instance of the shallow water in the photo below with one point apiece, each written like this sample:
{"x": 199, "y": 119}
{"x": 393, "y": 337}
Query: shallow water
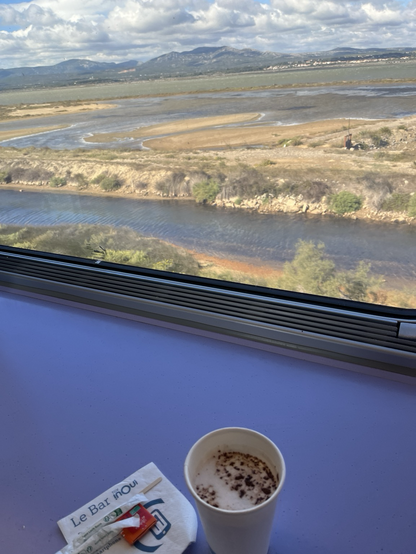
{"x": 286, "y": 106}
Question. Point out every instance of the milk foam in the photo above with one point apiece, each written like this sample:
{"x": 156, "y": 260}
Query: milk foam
{"x": 234, "y": 481}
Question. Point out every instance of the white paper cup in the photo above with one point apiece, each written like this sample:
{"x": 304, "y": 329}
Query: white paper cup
{"x": 243, "y": 531}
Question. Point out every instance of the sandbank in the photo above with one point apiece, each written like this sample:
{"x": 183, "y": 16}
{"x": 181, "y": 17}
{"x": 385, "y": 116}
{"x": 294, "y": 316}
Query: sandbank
{"x": 29, "y": 111}
{"x": 252, "y": 135}
{"x": 7, "y": 135}
{"x": 180, "y": 126}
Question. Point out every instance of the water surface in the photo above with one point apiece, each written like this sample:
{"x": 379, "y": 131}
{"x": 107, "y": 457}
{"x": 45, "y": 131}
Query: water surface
{"x": 230, "y": 234}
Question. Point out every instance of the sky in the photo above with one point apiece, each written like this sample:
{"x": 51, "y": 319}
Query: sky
{"x": 45, "y": 32}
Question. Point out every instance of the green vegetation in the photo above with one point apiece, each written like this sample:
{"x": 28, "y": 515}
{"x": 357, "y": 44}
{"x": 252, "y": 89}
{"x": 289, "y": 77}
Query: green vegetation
{"x": 117, "y": 245}
{"x": 312, "y": 272}
{"x": 386, "y": 131}
{"x": 57, "y": 182}
{"x": 412, "y": 206}
{"x": 81, "y": 181}
{"x": 109, "y": 184}
{"x": 206, "y": 191}
{"x": 379, "y": 137}
{"x": 5, "y": 176}
{"x": 295, "y": 141}
{"x": 97, "y": 180}
{"x": 397, "y": 202}
{"x": 345, "y": 202}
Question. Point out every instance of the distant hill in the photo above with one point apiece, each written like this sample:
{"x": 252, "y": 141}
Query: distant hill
{"x": 204, "y": 60}
{"x": 64, "y": 73}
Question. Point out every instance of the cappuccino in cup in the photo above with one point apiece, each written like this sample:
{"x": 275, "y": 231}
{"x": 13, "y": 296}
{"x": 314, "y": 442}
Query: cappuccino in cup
{"x": 234, "y": 481}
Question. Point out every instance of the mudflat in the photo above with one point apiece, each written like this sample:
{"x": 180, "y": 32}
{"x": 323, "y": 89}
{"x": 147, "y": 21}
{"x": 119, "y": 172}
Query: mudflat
{"x": 26, "y": 111}
{"x": 180, "y": 126}
{"x": 252, "y": 135}
{"x": 7, "y": 135}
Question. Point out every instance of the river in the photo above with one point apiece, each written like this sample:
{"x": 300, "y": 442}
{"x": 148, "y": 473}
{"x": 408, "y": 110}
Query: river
{"x": 231, "y": 234}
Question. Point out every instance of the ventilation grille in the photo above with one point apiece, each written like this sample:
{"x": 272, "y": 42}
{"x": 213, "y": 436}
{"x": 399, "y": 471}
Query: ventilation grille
{"x": 264, "y": 310}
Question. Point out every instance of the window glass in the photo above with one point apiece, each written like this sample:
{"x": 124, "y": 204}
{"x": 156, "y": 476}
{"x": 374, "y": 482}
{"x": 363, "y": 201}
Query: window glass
{"x": 264, "y": 143}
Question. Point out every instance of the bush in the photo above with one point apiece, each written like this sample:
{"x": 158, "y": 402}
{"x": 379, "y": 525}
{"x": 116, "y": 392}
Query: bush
{"x": 314, "y": 191}
{"x": 377, "y": 189}
{"x": 174, "y": 184}
{"x": 246, "y": 182}
{"x": 398, "y": 202}
{"x": 81, "y": 181}
{"x": 57, "y": 182}
{"x": 30, "y": 174}
{"x": 5, "y": 177}
{"x": 345, "y": 202}
{"x": 110, "y": 183}
{"x": 386, "y": 131}
{"x": 296, "y": 141}
{"x": 377, "y": 137}
{"x": 312, "y": 272}
{"x": 412, "y": 206}
{"x": 97, "y": 180}
{"x": 206, "y": 191}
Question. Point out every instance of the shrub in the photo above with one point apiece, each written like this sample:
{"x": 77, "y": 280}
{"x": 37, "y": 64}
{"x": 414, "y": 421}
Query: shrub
{"x": 377, "y": 188}
{"x": 345, "y": 202}
{"x": 377, "y": 137}
{"x": 5, "y": 176}
{"x": 246, "y": 182}
{"x": 81, "y": 181}
{"x": 378, "y": 140}
{"x": 174, "y": 184}
{"x": 296, "y": 141}
{"x": 206, "y": 191}
{"x": 282, "y": 141}
{"x": 311, "y": 271}
{"x": 386, "y": 131}
{"x": 97, "y": 180}
{"x": 30, "y": 174}
{"x": 412, "y": 206}
{"x": 397, "y": 202}
{"x": 314, "y": 191}
{"x": 109, "y": 184}
{"x": 57, "y": 182}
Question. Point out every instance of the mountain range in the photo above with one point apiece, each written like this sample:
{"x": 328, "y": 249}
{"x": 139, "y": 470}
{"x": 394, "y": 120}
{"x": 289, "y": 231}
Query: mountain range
{"x": 200, "y": 61}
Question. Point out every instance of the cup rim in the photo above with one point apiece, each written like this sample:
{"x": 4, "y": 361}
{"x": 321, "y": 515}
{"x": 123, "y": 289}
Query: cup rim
{"x": 222, "y": 510}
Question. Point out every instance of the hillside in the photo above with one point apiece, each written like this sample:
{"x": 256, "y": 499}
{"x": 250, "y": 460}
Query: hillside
{"x": 200, "y": 61}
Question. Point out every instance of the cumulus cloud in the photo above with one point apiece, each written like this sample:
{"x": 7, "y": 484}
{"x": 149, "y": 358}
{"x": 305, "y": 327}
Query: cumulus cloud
{"x": 48, "y": 31}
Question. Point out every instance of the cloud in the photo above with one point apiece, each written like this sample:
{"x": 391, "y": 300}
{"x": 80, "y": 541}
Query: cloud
{"x": 47, "y": 31}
